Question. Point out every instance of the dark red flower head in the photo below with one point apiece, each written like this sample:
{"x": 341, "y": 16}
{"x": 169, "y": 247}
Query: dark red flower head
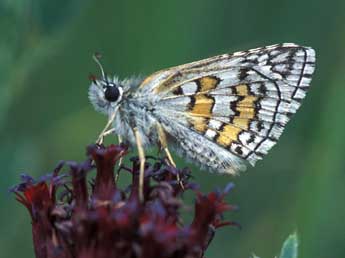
{"x": 72, "y": 218}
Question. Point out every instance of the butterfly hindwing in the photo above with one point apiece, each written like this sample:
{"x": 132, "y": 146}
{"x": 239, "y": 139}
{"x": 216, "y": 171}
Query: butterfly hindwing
{"x": 240, "y": 101}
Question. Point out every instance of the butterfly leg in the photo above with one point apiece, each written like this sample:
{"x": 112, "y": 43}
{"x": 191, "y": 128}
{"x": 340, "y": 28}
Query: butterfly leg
{"x": 164, "y": 144}
{"x": 106, "y": 128}
{"x": 120, "y": 160}
{"x": 142, "y": 162}
{"x": 110, "y": 131}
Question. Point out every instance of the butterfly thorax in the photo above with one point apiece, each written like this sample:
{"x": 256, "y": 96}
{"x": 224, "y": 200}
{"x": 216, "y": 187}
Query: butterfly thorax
{"x": 138, "y": 113}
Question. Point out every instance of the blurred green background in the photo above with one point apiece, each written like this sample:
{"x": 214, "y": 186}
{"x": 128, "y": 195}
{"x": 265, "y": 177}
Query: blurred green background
{"x": 45, "y": 115}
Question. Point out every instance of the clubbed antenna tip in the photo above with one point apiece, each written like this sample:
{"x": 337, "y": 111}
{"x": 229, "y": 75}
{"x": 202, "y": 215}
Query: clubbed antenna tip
{"x": 97, "y": 57}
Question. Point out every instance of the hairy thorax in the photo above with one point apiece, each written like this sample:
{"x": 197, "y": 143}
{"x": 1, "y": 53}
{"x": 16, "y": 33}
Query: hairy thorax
{"x": 140, "y": 114}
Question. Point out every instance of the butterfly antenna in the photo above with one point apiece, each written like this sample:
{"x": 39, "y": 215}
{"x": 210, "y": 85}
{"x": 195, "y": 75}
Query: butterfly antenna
{"x": 97, "y": 58}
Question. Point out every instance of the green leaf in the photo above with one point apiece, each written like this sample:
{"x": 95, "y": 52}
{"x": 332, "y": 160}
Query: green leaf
{"x": 254, "y": 256}
{"x": 290, "y": 246}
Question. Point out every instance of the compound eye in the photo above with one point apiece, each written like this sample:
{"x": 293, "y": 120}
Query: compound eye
{"x": 111, "y": 93}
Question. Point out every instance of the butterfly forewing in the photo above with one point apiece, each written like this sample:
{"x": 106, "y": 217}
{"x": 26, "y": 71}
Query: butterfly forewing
{"x": 238, "y": 102}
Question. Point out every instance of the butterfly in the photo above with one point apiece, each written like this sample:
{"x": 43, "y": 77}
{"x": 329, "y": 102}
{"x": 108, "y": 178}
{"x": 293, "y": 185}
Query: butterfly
{"x": 222, "y": 112}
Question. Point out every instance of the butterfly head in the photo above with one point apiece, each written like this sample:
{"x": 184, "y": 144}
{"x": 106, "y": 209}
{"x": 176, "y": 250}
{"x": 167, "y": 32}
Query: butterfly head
{"x": 104, "y": 93}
